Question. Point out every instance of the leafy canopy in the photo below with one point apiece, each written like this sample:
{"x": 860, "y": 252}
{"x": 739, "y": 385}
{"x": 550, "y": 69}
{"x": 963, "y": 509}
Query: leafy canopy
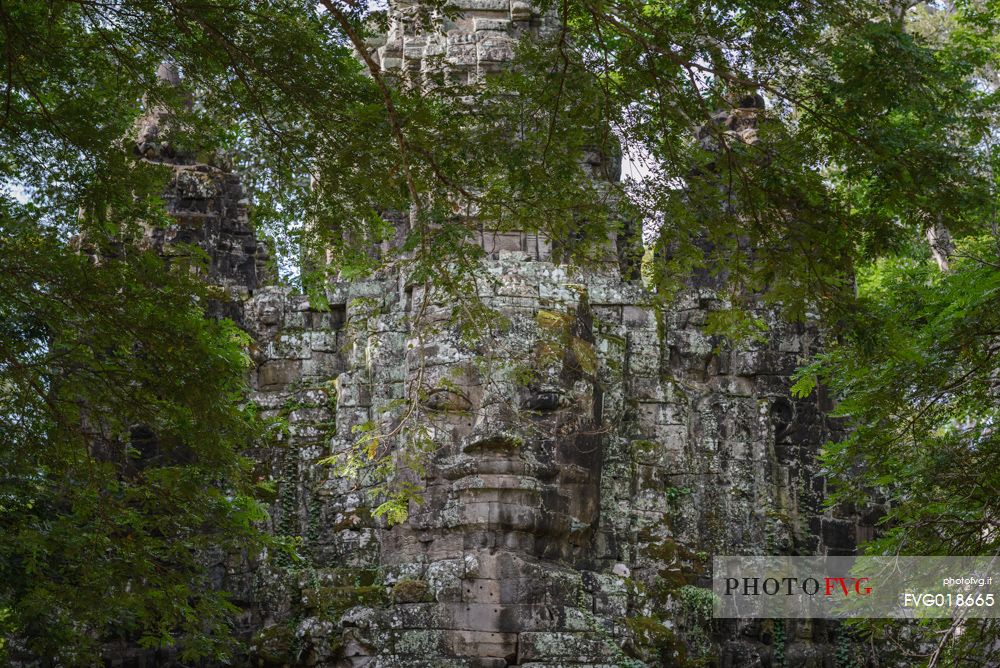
{"x": 879, "y": 123}
{"x": 122, "y": 417}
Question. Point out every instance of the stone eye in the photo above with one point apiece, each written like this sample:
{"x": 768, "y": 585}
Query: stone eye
{"x": 446, "y": 401}
{"x": 546, "y": 401}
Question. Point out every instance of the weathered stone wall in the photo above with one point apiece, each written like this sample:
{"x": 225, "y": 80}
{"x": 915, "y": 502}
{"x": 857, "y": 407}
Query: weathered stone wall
{"x": 573, "y": 495}
{"x": 465, "y": 49}
{"x": 210, "y": 229}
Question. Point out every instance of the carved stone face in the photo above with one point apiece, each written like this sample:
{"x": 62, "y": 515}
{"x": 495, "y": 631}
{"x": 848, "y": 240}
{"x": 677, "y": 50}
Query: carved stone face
{"x": 519, "y": 432}
{"x": 268, "y": 310}
{"x": 516, "y": 427}
{"x": 584, "y": 442}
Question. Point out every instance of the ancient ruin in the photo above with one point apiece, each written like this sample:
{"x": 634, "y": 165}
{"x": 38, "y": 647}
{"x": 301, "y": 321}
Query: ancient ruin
{"x": 583, "y": 461}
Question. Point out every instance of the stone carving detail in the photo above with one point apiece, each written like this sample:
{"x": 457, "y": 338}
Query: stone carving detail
{"x": 587, "y": 457}
{"x": 466, "y": 48}
{"x": 210, "y": 212}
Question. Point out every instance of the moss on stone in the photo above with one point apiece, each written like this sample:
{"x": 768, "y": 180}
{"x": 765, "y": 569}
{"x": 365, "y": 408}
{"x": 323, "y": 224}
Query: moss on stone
{"x": 412, "y": 591}
{"x": 275, "y": 645}
{"x": 333, "y": 600}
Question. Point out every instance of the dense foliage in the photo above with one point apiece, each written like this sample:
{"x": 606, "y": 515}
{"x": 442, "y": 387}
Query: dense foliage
{"x": 122, "y": 412}
{"x": 918, "y": 377}
{"x": 122, "y": 422}
{"x": 878, "y": 125}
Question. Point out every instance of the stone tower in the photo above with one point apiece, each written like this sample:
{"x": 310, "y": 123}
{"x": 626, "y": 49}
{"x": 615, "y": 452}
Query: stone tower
{"x": 583, "y": 461}
{"x": 580, "y": 464}
{"x": 209, "y": 211}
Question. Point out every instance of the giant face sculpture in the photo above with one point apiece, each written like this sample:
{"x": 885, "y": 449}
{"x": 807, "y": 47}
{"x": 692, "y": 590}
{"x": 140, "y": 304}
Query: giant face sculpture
{"x": 584, "y": 445}
{"x": 575, "y": 459}
{"x": 517, "y": 424}
{"x": 576, "y": 463}
{"x": 518, "y": 427}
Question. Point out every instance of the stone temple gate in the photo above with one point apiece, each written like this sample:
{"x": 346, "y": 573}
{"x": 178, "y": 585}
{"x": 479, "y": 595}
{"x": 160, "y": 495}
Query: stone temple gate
{"x": 583, "y": 462}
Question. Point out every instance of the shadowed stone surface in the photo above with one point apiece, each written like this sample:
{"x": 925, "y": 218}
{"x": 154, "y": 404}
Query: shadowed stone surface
{"x": 211, "y": 229}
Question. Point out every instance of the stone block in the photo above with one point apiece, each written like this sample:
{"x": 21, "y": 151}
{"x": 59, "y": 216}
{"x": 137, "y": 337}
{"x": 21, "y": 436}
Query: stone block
{"x": 289, "y": 346}
{"x": 638, "y": 316}
{"x": 567, "y": 647}
{"x": 483, "y": 5}
{"x": 278, "y": 373}
{"x": 482, "y": 24}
